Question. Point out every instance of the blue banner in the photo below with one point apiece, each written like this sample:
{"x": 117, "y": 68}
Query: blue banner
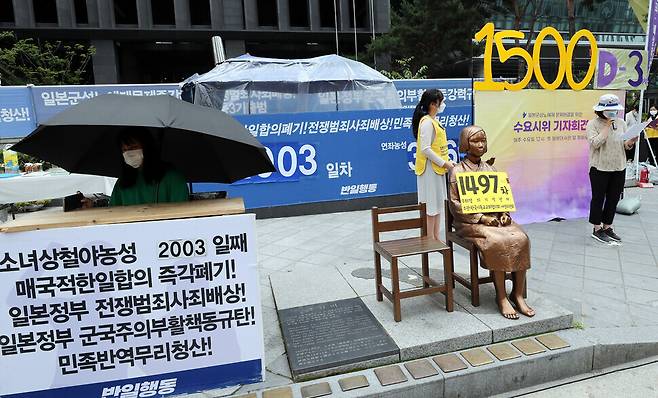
{"x": 320, "y": 156}
{"x": 336, "y": 155}
{"x": 457, "y": 92}
{"x": 50, "y": 100}
{"x": 189, "y": 381}
{"x": 17, "y": 117}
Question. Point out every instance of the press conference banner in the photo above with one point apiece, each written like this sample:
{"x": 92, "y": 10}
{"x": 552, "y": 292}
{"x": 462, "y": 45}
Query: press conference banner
{"x": 540, "y": 140}
{"x": 130, "y": 310}
{"x": 336, "y": 155}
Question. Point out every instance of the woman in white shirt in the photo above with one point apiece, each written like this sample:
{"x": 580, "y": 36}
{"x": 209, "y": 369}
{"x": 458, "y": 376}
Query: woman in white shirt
{"x": 432, "y": 161}
{"x": 607, "y": 165}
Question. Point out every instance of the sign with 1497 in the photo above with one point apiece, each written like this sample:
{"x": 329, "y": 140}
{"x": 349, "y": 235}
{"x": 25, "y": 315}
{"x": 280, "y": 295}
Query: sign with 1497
{"x": 485, "y": 192}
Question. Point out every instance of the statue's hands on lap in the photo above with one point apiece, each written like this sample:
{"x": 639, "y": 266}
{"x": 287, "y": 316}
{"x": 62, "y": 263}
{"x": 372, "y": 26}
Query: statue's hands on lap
{"x": 505, "y": 220}
{"x": 490, "y": 221}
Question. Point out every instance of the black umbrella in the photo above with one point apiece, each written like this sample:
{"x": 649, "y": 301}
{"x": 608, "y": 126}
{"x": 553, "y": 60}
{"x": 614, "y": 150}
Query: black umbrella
{"x": 204, "y": 144}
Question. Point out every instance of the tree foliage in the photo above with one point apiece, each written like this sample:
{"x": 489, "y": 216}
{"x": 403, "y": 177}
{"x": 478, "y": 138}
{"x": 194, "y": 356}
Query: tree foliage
{"x": 571, "y": 12}
{"x": 47, "y": 63}
{"x": 404, "y": 70}
{"x": 435, "y": 33}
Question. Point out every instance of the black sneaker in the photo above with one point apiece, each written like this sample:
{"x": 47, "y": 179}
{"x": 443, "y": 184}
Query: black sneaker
{"x": 611, "y": 234}
{"x": 601, "y": 236}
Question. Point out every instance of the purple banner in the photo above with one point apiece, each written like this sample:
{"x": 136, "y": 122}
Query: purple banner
{"x": 652, "y": 30}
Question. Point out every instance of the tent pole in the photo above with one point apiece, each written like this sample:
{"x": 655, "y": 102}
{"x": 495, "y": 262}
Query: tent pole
{"x": 336, "y": 24}
{"x": 356, "y": 50}
{"x": 636, "y": 160}
{"x": 372, "y": 25}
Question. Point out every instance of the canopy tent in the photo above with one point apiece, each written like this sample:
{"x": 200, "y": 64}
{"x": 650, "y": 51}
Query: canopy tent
{"x": 247, "y": 84}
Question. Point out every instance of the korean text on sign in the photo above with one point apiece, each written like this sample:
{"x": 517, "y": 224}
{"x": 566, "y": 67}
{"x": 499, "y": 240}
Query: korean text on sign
{"x": 120, "y": 303}
{"x": 485, "y": 192}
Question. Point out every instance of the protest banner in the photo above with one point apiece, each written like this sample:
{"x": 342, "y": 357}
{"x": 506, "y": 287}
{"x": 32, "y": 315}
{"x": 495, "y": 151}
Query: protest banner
{"x": 137, "y": 309}
{"x": 17, "y": 117}
{"x": 336, "y": 155}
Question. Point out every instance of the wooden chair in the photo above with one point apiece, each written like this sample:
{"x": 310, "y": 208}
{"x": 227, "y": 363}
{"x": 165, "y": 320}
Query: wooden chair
{"x": 391, "y": 250}
{"x": 474, "y": 281}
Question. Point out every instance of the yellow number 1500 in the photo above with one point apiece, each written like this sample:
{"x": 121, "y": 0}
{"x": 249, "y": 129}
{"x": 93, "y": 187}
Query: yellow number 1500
{"x": 566, "y": 55}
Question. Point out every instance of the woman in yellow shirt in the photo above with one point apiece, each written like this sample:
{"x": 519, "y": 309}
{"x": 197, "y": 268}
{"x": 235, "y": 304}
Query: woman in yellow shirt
{"x": 432, "y": 148}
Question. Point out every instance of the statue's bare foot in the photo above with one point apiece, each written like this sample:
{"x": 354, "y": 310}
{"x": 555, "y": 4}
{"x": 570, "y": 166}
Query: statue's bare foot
{"x": 521, "y": 305}
{"x": 506, "y": 309}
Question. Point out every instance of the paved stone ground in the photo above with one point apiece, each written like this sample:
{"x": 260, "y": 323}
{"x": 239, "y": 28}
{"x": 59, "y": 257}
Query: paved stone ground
{"x": 634, "y": 382}
{"x": 603, "y": 286}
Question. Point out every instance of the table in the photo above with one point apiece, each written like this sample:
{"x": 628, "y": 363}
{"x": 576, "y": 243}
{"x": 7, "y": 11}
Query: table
{"x": 45, "y": 185}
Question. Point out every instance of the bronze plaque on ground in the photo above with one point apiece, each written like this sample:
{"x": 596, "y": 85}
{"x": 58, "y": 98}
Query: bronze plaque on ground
{"x": 352, "y": 383}
{"x": 337, "y": 333}
{"x": 316, "y": 390}
{"x": 450, "y": 363}
{"x": 528, "y": 346}
{"x": 420, "y": 369}
{"x": 503, "y": 351}
{"x": 552, "y": 341}
{"x": 390, "y": 375}
{"x": 283, "y": 392}
{"x": 477, "y": 357}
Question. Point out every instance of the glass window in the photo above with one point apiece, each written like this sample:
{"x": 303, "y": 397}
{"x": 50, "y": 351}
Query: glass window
{"x": 361, "y": 7}
{"x": 328, "y": 15}
{"x": 6, "y": 11}
{"x": 81, "y": 12}
{"x": 200, "y": 12}
{"x": 163, "y": 12}
{"x": 267, "y": 13}
{"x": 125, "y": 12}
{"x": 45, "y": 11}
{"x": 298, "y": 13}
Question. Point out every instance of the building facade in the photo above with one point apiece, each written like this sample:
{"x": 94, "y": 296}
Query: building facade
{"x": 612, "y": 22}
{"x": 153, "y": 41}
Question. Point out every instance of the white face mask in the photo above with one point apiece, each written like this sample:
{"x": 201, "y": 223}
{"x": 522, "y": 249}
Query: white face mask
{"x": 653, "y": 113}
{"x": 442, "y": 107}
{"x": 610, "y": 114}
{"x": 134, "y": 158}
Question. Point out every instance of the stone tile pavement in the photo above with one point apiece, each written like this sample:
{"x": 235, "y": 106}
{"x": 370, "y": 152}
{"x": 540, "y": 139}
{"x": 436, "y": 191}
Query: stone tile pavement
{"x": 603, "y": 286}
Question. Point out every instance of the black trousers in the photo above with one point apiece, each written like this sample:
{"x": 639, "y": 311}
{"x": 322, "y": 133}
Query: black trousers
{"x": 607, "y": 187}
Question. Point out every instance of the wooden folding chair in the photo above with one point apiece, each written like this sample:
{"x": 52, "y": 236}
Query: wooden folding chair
{"x": 422, "y": 245}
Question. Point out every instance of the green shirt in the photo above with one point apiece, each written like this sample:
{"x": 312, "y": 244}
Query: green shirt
{"x": 172, "y": 188}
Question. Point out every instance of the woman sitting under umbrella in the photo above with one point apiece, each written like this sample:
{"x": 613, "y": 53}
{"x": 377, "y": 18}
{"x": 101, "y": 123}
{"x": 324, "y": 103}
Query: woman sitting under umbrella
{"x": 145, "y": 178}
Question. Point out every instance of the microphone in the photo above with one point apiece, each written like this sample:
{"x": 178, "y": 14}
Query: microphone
{"x": 614, "y": 127}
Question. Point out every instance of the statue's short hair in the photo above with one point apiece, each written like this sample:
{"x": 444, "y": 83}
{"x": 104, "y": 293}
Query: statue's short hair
{"x": 466, "y": 133}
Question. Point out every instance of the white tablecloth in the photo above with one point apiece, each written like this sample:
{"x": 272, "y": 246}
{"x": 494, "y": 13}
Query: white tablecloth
{"x": 43, "y": 185}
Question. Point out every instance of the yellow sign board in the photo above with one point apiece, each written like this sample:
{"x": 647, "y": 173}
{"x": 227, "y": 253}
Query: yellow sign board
{"x": 485, "y": 192}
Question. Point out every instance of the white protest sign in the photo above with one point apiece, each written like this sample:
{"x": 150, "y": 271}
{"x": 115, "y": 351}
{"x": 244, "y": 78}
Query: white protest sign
{"x": 130, "y": 310}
